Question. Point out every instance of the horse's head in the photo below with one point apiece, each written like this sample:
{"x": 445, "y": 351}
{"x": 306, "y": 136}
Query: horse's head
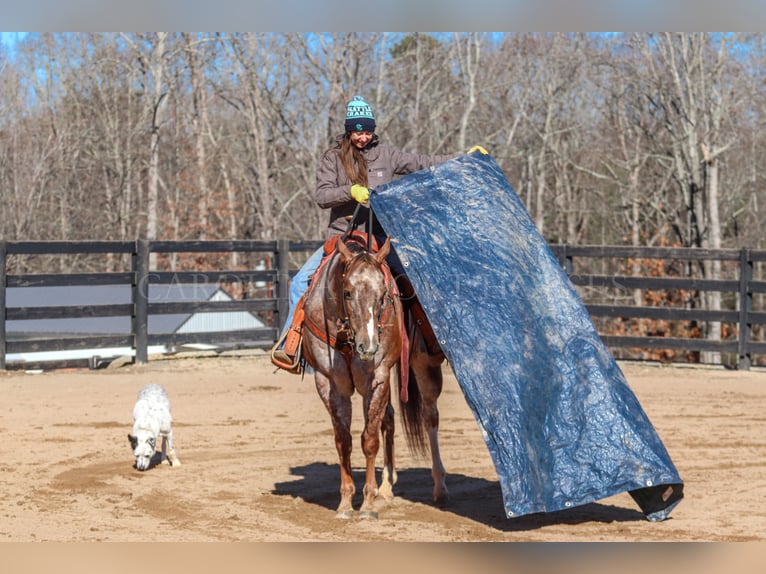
{"x": 365, "y": 296}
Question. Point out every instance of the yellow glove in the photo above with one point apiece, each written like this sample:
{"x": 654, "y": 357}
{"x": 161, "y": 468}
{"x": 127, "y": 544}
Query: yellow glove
{"x": 479, "y": 149}
{"x": 360, "y": 193}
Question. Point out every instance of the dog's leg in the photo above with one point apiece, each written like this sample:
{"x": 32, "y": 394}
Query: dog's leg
{"x": 163, "y": 450}
{"x": 172, "y": 457}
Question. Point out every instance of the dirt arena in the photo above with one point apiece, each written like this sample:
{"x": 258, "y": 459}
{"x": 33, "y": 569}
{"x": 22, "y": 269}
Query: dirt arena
{"x": 259, "y": 463}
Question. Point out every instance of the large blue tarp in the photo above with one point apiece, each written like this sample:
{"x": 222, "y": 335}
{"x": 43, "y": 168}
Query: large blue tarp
{"x": 561, "y": 424}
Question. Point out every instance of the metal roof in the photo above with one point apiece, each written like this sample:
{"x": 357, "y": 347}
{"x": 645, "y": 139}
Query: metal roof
{"x": 121, "y": 294}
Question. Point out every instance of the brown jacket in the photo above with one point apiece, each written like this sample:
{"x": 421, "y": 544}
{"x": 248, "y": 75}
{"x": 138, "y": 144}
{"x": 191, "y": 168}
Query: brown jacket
{"x": 384, "y": 164}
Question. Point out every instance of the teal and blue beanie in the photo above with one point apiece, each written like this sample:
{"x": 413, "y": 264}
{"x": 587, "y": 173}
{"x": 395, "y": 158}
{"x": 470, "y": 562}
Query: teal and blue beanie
{"x": 359, "y": 116}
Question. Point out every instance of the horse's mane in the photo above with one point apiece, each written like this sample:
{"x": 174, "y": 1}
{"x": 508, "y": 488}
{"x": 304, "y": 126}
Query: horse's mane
{"x": 355, "y": 243}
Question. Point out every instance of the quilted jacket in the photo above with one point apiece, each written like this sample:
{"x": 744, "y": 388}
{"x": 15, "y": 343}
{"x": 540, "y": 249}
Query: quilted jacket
{"x": 384, "y": 163}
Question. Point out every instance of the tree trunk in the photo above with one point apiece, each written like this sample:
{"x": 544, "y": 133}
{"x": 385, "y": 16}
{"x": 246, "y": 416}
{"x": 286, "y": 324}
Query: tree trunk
{"x": 153, "y": 176}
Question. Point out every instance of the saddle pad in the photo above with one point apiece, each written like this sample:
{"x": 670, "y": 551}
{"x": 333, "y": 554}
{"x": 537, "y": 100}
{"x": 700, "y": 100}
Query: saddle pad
{"x": 561, "y": 424}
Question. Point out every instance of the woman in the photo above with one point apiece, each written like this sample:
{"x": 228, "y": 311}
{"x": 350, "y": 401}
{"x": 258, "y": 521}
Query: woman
{"x": 358, "y": 162}
{"x": 345, "y": 173}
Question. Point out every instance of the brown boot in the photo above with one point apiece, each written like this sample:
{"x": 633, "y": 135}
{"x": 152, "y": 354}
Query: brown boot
{"x": 281, "y": 359}
{"x": 288, "y": 357}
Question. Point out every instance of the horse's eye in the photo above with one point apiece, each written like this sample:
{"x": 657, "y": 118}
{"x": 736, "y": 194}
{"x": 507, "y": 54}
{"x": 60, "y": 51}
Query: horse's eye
{"x": 347, "y": 295}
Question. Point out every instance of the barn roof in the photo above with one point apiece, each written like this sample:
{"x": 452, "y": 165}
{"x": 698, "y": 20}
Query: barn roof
{"x": 201, "y": 322}
{"x": 120, "y": 294}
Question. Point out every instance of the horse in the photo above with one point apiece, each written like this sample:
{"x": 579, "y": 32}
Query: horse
{"x": 354, "y": 338}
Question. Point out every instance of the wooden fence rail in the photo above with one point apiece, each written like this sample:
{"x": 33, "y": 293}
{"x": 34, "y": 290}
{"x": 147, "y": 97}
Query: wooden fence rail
{"x": 741, "y": 286}
{"x": 739, "y": 289}
{"x": 139, "y": 276}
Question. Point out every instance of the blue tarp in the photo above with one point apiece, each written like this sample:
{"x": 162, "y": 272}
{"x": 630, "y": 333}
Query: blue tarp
{"x": 561, "y": 424}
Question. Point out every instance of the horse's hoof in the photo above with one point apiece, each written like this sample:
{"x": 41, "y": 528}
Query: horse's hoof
{"x": 441, "y": 500}
{"x": 386, "y": 493}
{"x": 368, "y": 515}
{"x": 344, "y": 514}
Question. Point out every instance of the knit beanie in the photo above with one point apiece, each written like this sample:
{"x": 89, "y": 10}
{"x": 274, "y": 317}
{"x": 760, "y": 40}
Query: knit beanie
{"x": 359, "y": 116}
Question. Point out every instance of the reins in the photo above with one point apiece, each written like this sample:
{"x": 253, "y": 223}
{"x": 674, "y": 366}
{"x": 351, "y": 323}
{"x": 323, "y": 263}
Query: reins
{"x": 354, "y": 222}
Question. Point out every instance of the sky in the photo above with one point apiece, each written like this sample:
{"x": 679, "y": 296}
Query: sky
{"x": 10, "y": 38}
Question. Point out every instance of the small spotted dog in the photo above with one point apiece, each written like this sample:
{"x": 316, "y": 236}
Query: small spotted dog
{"x": 151, "y": 419}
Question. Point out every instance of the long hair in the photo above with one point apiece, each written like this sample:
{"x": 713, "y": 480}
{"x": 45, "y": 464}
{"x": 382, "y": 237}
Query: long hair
{"x": 353, "y": 161}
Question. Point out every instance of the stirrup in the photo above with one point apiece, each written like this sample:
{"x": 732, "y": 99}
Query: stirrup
{"x": 284, "y": 361}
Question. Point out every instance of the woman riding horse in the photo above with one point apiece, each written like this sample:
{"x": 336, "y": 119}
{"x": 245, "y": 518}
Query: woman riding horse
{"x": 346, "y": 172}
{"x": 348, "y": 357}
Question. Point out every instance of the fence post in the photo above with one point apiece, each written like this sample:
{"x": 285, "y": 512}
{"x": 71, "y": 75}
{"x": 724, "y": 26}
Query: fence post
{"x": 568, "y": 262}
{"x": 140, "y": 294}
{"x": 283, "y": 283}
{"x": 745, "y": 307}
{"x": 3, "y": 333}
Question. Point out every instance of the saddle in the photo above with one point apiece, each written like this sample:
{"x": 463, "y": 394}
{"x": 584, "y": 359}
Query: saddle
{"x": 287, "y": 351}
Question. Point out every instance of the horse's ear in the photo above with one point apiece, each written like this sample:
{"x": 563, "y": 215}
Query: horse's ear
{"x": 383, "y": 251}
{"x": 344, "y": 250}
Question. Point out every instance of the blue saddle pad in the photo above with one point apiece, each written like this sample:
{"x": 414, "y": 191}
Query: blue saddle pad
{"x": 561, "y": 424}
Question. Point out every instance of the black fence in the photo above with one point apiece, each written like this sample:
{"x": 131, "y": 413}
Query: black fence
{"x": 678, "y": 275}
{"x": 271, "y": 304}
{"x": 608, "y": 295}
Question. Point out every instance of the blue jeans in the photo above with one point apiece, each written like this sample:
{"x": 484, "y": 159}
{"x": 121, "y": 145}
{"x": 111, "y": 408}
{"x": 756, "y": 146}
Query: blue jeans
{"x": 300, "y": 283}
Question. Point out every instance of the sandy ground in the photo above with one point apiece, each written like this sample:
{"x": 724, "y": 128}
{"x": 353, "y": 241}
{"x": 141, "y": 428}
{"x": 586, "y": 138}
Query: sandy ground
{"x": 259, "y": 463}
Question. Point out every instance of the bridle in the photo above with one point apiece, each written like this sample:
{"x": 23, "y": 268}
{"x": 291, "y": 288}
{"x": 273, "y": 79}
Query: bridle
{"x": 345, "y": 333}
{"x": 344, "y": 338}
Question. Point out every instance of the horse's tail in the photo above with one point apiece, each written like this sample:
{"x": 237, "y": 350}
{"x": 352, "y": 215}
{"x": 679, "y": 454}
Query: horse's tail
{"x": 412, "y": 416}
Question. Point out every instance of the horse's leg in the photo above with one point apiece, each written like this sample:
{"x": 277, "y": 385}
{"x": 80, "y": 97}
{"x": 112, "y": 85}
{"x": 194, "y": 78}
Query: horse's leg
{"x": 388, "y": 478}
{"x": 376, "y": 402}
{"x": 428, "y": 374}
{"x": 343, "y": 445}
{"x": 339, "y": 407}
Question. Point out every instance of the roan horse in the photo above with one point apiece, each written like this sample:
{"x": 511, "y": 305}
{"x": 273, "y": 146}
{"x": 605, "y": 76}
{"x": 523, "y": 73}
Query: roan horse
{"x": 354, "y": 334}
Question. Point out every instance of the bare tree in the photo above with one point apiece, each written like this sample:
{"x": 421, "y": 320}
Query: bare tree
{"x": 24, "y": 178}
{"x": 151, "y": 53}
{"x": 469, "y": 60}
{"x": 689, "y": 83}
{"x": 550, "y": 66}
{"x": 195, "y": 61}
{"x": 251, "y": 56}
